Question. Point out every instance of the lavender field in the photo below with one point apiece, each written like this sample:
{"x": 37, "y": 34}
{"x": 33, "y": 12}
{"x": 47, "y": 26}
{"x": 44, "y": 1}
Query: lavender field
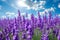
{"x": 22, "y": 28}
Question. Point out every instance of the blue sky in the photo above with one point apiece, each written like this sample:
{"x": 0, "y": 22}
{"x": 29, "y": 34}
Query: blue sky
{"x": 9, "y": 8}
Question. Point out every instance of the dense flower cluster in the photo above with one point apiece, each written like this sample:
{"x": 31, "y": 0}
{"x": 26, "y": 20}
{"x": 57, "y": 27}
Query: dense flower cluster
{"x": 21, "y": 28}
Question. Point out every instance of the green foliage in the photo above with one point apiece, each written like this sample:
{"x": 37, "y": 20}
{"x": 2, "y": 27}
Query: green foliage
{"x": 37, "y": 35}
{"x": 52, "y": 37}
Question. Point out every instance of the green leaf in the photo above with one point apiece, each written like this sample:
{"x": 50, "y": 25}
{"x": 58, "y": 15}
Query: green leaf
{"x": 37, "y": 35}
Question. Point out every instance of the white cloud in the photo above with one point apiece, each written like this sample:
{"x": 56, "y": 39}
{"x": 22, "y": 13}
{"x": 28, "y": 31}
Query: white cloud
{"x": 47, "y": 11}
{"x": 59, "y": 5}
{"x": 16, "y": 15}
{"x": 19, "y": 4}
{"x": 50, "y": 9}
{"x": 41, "y": 7}
{"x": 42, "y": 2}
{"x": 3, "y": 17}
{"x": 29, "y": 16}
{"x": 35, "y": 1}
{"x": 59, "y": 15}
{"x": 35, "y": 7}
{"x": 22, "y": 3}
{"x": 11, "y": 14}
{"x": 38, "y": 6}
{"x": 42, "y": 13}
{"x": 22, "y": 14}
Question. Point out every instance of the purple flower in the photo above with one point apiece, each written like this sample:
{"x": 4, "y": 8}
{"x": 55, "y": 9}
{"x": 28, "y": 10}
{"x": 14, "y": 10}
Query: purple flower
{"x": 24, "y": 35}
{"x": 44, "y": 37}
